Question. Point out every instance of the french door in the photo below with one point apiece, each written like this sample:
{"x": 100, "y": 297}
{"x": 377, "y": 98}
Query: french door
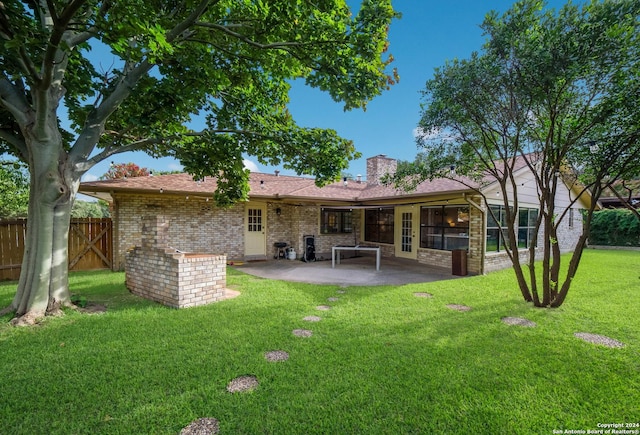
{"x": 406, "y": 242}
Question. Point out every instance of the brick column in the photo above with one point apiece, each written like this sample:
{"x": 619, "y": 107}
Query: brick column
{"x": 155, "y": 232}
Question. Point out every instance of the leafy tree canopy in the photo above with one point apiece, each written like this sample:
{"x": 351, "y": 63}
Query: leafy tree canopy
{"x": 132, "y": 75}
{"x": 232, "y": 60}
{"x": 556, "y": 92}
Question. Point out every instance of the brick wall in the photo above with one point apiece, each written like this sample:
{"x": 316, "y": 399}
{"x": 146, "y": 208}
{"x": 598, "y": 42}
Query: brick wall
{"x": 196, "y": 225}
{"x": 174, "y": 279}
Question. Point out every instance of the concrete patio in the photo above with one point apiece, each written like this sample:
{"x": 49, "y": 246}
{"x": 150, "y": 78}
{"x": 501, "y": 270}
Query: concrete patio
{"x": 353, "y": 271}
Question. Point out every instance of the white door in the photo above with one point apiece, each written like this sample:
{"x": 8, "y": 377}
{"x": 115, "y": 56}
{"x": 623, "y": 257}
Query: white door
{"x": 255, "y": 219}
{"x": 406, "y": 231}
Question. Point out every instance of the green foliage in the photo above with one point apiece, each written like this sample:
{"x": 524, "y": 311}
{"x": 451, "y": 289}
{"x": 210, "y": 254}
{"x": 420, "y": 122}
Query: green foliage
{"x": 381, "y": 361}
{"x": 229, "y": 60}
{"x": 615, "y": 227}
{"x": 14, "y": 190}
{"x": 124, "y": 170}
{"x": 90, "y": 209}
{"x": 552, "y": 92}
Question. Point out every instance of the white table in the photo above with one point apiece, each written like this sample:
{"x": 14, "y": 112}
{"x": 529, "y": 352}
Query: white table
{"x": 337, "y": 249}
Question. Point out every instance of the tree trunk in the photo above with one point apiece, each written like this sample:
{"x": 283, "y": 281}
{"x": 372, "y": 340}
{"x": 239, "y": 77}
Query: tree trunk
{"x": 43, "y": 285}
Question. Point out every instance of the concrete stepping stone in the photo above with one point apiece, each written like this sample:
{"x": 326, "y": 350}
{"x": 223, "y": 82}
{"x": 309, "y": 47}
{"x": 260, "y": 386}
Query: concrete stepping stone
{"x": 312, "y": 318}
{"x": 302, "y": 333}
{"x": 323, "y": 307}
{"x": 519, "y": 322}
{"x": 598, "y": 339}
{"x": 202, "y": 426}
{"x": 276, "y": 355}
{"x": 423, "y": 295}
{"x": 458, "y": 307}
{"x": 332, "y": 299}
{"x": 243, "y": 383}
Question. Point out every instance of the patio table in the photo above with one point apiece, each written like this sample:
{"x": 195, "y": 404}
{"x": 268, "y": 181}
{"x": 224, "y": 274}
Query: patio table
{"x": 337, "y": 249}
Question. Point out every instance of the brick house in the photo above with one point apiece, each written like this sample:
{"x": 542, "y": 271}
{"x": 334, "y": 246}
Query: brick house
{"x": 424, "y": 225}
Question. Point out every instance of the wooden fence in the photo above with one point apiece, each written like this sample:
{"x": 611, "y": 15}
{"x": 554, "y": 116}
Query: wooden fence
{"x": 90, "y": 245}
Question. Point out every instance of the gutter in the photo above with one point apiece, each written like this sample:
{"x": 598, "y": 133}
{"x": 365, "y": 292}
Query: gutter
{"x": 483, "y": 245}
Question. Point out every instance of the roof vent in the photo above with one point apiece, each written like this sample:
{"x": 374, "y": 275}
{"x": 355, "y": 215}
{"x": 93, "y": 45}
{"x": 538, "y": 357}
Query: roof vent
{"x": 277, "y": 172}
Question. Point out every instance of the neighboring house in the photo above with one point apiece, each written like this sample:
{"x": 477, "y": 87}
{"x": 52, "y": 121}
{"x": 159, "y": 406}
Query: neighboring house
{"x": 629, "y": 190}
{"x": 425, "y": 225}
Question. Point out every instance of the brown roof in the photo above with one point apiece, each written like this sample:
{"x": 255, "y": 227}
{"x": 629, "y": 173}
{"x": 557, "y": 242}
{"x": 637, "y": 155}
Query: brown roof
{"x": 268, "y": 186}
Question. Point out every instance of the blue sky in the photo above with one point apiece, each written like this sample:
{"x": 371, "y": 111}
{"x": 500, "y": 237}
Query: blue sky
{"x": 429, "y": 33}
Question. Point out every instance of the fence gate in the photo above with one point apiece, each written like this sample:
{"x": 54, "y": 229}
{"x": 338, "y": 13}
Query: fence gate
{"x": 90, "y": 245}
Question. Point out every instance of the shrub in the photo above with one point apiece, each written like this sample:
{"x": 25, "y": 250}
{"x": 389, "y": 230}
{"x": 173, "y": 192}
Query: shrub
{"x": 615, "y": 227}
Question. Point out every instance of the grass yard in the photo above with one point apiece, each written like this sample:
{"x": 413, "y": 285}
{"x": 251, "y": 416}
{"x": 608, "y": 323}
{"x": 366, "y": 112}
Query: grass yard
{"x": 380, "y": 361}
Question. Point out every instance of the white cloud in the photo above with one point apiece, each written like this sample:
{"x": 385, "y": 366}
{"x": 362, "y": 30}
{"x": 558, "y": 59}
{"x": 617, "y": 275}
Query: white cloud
{"x": 89, "y": 177}
{"x": 433, "y": 134}
{"x": 248, "y": 164}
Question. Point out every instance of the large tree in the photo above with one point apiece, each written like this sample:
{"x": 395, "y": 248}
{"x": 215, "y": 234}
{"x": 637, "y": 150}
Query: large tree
{"x": 555, "y": 92}
{"x": 132, "y": 75}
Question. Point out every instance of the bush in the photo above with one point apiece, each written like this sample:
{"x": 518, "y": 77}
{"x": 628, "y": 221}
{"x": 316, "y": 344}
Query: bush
{"x": 615, "y": 227}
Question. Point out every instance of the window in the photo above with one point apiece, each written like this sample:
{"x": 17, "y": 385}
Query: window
{"x": 336, "y": 221}
{"x": 378, "y": 225}
{"x": 570, "y": 218}
{"x": 445, "y": 228}
{"x": 525, "y": 228}
{"x": 495, "y": 240}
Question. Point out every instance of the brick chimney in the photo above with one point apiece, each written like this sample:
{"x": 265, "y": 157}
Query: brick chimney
{"x": 378, "y": 167}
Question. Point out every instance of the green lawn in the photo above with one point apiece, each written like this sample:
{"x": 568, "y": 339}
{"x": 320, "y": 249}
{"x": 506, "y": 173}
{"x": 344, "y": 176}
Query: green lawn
{"x": 381, "y": 361}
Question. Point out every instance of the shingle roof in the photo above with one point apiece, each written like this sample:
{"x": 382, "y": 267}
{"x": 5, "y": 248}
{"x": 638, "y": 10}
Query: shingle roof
{"x": 268, "y": 186}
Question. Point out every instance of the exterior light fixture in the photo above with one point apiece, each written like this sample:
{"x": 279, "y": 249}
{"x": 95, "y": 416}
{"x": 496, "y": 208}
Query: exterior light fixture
{"x": 278, "y": 211}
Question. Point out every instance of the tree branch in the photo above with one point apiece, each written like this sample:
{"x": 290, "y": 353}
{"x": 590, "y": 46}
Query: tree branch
{"x": 283, "y": 45}
{"x": 14, "y": 101}
{"x": 94, "y": 125}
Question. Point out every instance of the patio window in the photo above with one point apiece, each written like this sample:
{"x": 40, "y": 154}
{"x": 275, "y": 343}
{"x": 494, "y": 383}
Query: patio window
{"x": 495, "y": 241}
{"x": 527, "y": 227}
{"x": 336, "y": 221}
{"x": 445, "y": 228}
{"x": 378, "y": 225}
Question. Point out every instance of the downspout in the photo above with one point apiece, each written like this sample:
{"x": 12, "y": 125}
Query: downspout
{"x": 483, "y": 243}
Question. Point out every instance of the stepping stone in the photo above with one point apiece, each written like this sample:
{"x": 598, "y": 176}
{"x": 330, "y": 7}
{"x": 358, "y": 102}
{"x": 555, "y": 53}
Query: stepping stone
{"x": 341, "y": 292}
{"x": 519, "y": 322}
{"x": 323, "y": 307}
{"x": 458, "y": 307}
{"x": 243, "y": 383}
{"x": 202, "y": 426}
{"x": 302, "y": 332}
{"x": 333, "y": 299}
{"x": 423, "y": 295}
{"x": 598, "y": 339}
{"x": 276, "y": 355}
{"x": 312, "y": 318}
